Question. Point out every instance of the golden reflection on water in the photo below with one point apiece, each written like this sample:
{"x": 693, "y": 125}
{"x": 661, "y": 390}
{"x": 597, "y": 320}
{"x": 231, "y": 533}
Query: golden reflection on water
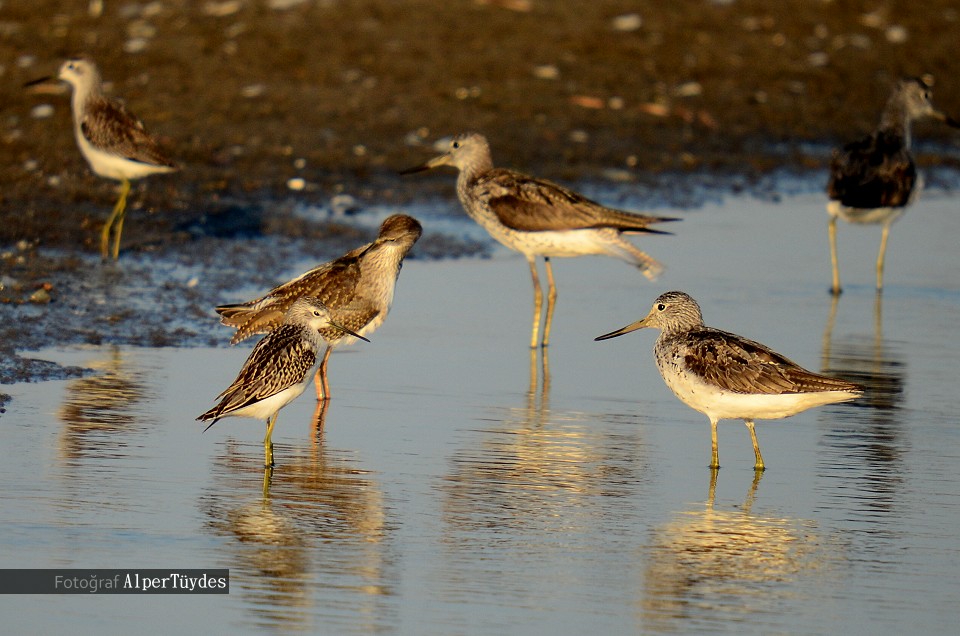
{"x": 97, "y": 406}
{"x": 539, "y": 374}
{"x": 540, "y": 487}
{"x": 721, "y": 562}
{"x": 318, "y": 521}
{"x": 535, "y": 465}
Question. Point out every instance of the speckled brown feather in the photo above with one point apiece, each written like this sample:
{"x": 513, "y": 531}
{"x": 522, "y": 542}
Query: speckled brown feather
{"x": 529, "y": 204}
{"x": 740, "y": 365}
{"x": 285, "y": 352}
{"x": 334, "y": 283}
{"x": 109, "y": 127}
{"x": 339, "y": 284}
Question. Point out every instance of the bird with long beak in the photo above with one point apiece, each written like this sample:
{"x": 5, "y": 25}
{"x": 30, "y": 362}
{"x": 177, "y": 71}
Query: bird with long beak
{"x": 111, "y": 139}
{"x": 359, "y": 286}
{"x": 278, "y": 369}
{"x": 537, "y": 217}
{"x": 726, "y": 376}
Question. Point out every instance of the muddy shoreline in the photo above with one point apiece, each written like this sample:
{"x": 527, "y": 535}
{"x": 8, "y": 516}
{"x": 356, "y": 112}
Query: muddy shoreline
{"x": 273, "y": 105}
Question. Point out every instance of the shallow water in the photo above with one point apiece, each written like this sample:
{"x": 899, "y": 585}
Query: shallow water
{"x": 443, "y": 496}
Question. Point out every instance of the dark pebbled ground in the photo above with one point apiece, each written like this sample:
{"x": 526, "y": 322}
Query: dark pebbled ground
{"x": 674, "y": 99}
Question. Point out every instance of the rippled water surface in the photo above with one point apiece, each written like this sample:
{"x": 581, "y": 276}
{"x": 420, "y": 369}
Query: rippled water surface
{"x": 449, "y": 490}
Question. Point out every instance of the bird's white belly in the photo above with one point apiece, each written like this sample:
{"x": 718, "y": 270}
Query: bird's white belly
{"x": 718, "y": 403}
{"x": 112, "y": 166}
{"x": 563, "y": 244}
{"x": 870, "y": 216}
{"x": 265, "y": 408}
{"x": 865, "y": 216}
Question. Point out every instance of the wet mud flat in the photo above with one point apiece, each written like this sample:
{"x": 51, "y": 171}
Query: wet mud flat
{"x": 273, "y": 105}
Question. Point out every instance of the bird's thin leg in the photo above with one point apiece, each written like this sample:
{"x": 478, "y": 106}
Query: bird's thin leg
{"x": 268, "y": 443}
{"x": 267, "y": 478}
{"x": 712, "y": 490}
{"x": 832, "y": 231}
{"x": 537, "y": 302}
{"x": 882, "y": 255}
{"x": 319, "y": 419}
{"x": 534, "y": 374}
{"x": 756, "y": 446}
{"x": 118, "y": 212}
{"x": 715, "y": 456}
{"x": 551, "y": 301}
{"x": 117, "y": 231}
{"x": 320, "y": 379}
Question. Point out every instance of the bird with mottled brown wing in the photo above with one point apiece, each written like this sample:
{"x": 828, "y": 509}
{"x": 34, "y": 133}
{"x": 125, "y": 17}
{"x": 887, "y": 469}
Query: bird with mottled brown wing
{"x": 108, "y": 126}
{"x": 745, "y": 366}
{"x": 334, "y": 283}
{"x": 528, "y": 204}
{"x": 284, "y": 352}
{"x": 725, "y": 376}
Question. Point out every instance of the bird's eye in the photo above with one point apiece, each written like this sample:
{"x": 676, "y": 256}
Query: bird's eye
{"x": 661, "y": 307}
{"x": 455, "y": 144}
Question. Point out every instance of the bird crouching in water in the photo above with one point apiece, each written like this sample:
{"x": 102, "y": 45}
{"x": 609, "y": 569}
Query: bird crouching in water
{"x": 278, "y": 369}
{"x": 359, "y": 287}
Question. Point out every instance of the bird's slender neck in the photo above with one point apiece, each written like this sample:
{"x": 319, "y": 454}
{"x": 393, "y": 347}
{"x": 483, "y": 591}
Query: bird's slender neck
{"x": 314, "y": 336}
{"x": 83, "y": 94}
{"x": 674, "y": 329}
{"x": 896, "y": 118}
{"x": 479, "y": 164}
{"x": 383, "y": 261}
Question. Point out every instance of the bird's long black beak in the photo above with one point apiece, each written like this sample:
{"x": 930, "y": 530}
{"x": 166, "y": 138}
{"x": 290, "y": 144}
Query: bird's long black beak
{"x": 640, "y": 324}
{"x": 441, "y": 160}
{"x": 347, "y": 331}
{"x": 415, "y": 169}
{"x": 39, "y": 80}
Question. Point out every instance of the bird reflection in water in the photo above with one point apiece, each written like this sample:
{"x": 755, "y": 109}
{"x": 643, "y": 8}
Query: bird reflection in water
{"x": 535, "y": 465}
{"x": 536, "y": 486}
{"x": 866, "y": 450}
{"x": 713, "y": 564}
{"x": 97, "y": 406}
{"x": 320, "y": 529}
{"x": 539, "y": 377}
{"x": 865, "y": 359}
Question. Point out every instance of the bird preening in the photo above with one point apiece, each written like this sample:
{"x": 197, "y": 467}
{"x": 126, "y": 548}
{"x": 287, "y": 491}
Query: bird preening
{"x": 279, "y": 368}
{"x": 359, "y": 286}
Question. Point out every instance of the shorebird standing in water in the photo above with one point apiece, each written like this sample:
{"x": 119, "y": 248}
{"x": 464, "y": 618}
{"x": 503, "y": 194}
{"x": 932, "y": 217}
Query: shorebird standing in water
{"x": 111, "y": 139}
{"x": 725, "y": 376}
{"x": 874, "y": 179}
{"x": 279, "y": 368}
{"x": 358, "y": 286}
{"x": 539, "y": 218}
